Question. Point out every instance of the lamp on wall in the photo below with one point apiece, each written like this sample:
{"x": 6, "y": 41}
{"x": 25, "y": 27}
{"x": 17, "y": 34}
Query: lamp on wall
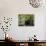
{"x": 36, "y": 3}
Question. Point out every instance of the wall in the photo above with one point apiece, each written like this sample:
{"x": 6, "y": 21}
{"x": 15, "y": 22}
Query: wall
{"x": 11, "y": 8}
{"x": 45, "y": 28}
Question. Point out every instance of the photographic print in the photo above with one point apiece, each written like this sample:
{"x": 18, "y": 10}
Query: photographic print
{"x": 26, "y": 20}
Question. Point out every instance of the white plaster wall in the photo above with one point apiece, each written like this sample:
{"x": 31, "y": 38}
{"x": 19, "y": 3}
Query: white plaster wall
{"x": 45, "y": 27}
{"x": 11, "y": 8}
